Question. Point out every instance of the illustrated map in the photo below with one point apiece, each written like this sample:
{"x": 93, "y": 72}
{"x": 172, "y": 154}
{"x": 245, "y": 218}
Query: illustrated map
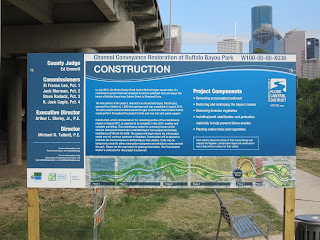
{"x": 164, "y": 171}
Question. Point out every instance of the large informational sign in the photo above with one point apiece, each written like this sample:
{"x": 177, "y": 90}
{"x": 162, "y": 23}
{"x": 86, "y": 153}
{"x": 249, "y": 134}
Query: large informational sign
{"x": 161, "y": 120}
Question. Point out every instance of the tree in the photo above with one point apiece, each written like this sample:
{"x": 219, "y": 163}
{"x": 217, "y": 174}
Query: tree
{"x": 308, "y": 114}
{"x": 259, "y": 50}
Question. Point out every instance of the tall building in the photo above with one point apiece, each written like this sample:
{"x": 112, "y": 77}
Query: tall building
{"x": 229, "y": 46}
{"x": 263, "y": 35}
{"x": 176, "y": 38}
{"x": 311, "y": 68}
{"x": 295, "y": 43}
{"x": 312, "y": 48}
{"x": 260, "y": 15}
{"x": 268, "y": 39}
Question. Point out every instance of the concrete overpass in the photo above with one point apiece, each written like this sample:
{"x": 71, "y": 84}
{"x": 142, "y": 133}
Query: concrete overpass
{"x": 88, "y": 26}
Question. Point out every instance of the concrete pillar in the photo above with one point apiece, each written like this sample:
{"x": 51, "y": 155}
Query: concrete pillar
{"x": 14, "y": 148}
{"x": 87, "y": 50}
{"x": 0, "y": 35}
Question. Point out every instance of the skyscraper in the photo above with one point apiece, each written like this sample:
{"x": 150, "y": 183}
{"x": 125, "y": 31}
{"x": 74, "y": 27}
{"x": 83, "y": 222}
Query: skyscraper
{"x": 260, "y": 15}
{"x": 295, "y": 42}
{"x": 263, "y": 35}
{"x": 176, "y": 38}
{"x": 268, "y": 39}
{"x": 312, "y": 48}
{"x": 229, "y": 46}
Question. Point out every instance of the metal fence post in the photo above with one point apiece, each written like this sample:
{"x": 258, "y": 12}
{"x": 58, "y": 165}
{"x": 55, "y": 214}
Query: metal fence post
{"x": 102, "y": 223}
{"x": 95, "y": 230}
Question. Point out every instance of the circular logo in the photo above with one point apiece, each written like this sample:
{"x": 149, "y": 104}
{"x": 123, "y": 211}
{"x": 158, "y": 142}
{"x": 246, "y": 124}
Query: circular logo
{"x": 32, "y": 176}
{"x": 237, "y": 173}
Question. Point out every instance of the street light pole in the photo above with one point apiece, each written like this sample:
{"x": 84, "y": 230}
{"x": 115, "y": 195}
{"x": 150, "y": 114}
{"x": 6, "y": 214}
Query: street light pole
{"x": 170, "y": 29}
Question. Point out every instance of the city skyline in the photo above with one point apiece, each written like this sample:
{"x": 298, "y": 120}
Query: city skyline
{"x": 204, "y": 25}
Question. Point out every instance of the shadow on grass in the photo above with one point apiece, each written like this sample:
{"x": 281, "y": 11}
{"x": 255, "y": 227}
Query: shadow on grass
{"x": 182, "y": 234}
{"x": 140, "y": 214}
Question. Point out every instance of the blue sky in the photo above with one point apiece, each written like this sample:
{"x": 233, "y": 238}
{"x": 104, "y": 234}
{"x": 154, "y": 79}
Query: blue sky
{"x": 204, "y": 22}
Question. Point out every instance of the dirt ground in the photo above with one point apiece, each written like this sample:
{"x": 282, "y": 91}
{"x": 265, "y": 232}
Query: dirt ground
{"x": 13, "y": 190}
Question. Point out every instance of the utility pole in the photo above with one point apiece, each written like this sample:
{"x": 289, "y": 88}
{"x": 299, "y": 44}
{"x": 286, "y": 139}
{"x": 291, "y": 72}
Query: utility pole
{"x": 235, "y": 28}
{"x": 170, "y": 27}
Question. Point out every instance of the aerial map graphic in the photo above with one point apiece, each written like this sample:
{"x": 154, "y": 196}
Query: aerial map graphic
{"x": 164, "y": 171}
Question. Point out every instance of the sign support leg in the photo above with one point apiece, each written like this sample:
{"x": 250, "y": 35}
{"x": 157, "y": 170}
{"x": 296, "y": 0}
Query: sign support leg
{"x": 289, "y": 213}
{"x": 33, "y": 214}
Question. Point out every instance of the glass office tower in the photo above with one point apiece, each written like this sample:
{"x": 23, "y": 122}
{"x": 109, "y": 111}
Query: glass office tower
{"x": 263, "y": 35}
{"x": 268, "y": 39}
{"x": 260, "y": 15}
{"x": 312, "y": 48}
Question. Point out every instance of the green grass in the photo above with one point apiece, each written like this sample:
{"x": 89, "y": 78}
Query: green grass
{"x": 136, "y": 216}
{"x": 10, "y": 185}
{"x": 310, "y": 166}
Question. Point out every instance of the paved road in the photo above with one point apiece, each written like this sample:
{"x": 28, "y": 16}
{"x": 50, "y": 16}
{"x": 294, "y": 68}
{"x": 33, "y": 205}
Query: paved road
{"x": 307, "y": 194}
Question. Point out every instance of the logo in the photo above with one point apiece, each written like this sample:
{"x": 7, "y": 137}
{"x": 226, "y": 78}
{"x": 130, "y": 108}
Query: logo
{"x": 52, "y": 176}
{"x": 61, "y": 177}
{"x": 237, "y": 173}
{"x": 37, "y": 176}
{"x": 277, "y": 89}
{"x": 278, "y": 84}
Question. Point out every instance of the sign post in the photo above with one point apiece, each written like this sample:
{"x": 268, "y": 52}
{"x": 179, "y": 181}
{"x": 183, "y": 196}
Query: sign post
{"x": 289, "y": 213}
{"x": 33, "y": 214}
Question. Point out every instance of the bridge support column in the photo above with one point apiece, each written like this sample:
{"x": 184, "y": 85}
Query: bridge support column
{"x": 14, "y": 148}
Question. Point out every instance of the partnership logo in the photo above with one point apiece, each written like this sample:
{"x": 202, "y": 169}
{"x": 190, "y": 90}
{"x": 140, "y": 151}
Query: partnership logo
{"x": 37, "y": 176}
{"x": 57, "y": 177}
{"x": 52, "y": 177}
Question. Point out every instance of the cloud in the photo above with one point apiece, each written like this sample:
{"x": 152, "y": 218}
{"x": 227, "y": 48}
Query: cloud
{"x": 189, "y": 38}
{"x": 207, "y": 43}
